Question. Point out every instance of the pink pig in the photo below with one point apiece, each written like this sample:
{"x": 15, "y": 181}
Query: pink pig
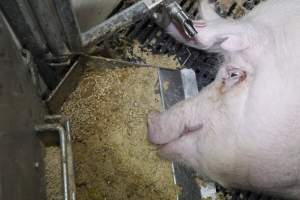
{"x": 243, "y": 130}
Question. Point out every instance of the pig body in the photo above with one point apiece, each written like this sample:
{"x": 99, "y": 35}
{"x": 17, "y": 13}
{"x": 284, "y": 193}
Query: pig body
{"x": 242, "y": 130}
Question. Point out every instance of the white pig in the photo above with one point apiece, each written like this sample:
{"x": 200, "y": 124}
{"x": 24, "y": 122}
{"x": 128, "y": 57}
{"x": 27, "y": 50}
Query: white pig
{"x": 243, "y": 130}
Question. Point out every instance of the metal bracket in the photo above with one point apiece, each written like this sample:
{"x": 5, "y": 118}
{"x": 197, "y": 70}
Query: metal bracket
{"x": 62, "y": 126}
{"x": 177, "y": 13}
{"x": 152, "y": 3}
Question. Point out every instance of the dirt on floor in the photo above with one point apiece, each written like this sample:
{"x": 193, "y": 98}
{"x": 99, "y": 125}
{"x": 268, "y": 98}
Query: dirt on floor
{"x": 113, "y": 159}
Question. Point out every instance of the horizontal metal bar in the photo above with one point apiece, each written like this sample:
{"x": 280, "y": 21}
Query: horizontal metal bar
{"x": 152, "y": 3}
{"x": 113, "y": 24}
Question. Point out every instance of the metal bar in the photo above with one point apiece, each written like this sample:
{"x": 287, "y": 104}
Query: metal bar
{"x": 190, "y": 89}
{"x": 20, "y": 152}
{"x": 52, "y": 118}
{"x": 65, "y": 86}
{"x": 20, "y": 17}
{"x": 69, "y": 152}
{"x": 50, "y": 27}
{"x": 28, "y": 59}
{"x": 69, "y": 23}
{"x": 113, "y": 24}
{"x": 71, "y": 171}
{"x": 61, "y": 131}
{"x": 183, "y": 176}
{"x": 189, "y": 83}
{"x": 183, "y": 85}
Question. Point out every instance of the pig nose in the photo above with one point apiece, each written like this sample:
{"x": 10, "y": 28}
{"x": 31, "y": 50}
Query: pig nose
{"x": 154, "y": 127}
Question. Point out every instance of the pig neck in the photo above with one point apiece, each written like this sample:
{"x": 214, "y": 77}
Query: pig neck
{"x": 274, "y": 52}
{"x": 273, "y": 72}
{"x": 274, "y": 89}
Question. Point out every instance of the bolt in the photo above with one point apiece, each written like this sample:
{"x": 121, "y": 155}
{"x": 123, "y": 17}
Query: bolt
{"x": 36, "y": 164}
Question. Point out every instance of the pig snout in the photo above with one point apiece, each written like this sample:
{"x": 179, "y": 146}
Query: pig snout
{"x": 176, "y": 132}
{"x": 154, "y": 128}
{"x": 164, "y": 128}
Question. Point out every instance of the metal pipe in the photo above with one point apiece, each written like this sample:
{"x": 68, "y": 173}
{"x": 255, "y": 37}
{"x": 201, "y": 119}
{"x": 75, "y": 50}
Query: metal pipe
{"x": 69, "y": 152}
{"x": 52, "y": 118}
{"x": 177, "y": 13}
{"x": 115, "y": 23}
{"x": 50, "y": 27}
{"x": 61, "y": 131}
{"x": 65, "y": 86}
{"x": 21, "y": 19}
{"x": 71, "y": 171}
{"x": 69, "y": 23}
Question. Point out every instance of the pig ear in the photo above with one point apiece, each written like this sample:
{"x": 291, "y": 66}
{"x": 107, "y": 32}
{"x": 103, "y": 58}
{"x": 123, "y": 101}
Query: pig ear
{"x": 234, "y": 43}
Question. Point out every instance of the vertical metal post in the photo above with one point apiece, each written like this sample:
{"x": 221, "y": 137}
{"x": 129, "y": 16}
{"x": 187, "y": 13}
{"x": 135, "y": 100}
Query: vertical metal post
{"x": 62, "y": 137}
{"x": 21, "y": 19}
{"x": 69, "y": 23}
{"x": 50, "y": 27}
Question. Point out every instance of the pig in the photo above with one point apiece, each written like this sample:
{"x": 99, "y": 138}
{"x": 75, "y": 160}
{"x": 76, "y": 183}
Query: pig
{"x": 243, "y": 130}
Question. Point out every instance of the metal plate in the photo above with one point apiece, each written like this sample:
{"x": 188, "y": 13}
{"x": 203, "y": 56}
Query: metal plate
{"x": 183, "y": 176}
{"x": 20, "y": 151}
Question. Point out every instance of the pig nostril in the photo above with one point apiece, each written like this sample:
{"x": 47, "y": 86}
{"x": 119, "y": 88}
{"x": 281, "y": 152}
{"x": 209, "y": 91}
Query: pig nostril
{"x": 233, "y": 75}
{"x": 205, "y": 75}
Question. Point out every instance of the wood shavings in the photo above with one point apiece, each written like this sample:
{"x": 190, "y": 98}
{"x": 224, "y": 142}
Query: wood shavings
{"x": 53, "y": 178}
{"x": 165, "y": 61}
{"x": 113, "y": 158}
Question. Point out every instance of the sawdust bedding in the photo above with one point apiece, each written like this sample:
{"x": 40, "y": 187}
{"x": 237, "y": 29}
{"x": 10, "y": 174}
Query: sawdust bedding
{"x": 165, "y": 61}
{"x": 121, "y": 48}
{"x": 113, "y": 159}
{"x": 108, "y": 119}
{"x": 53, "y": 173}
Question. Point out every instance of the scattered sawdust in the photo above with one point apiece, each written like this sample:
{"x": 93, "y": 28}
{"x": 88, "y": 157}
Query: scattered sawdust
{"x": 166, "y": 61}
{"x": 121, "y": 48}
{"x": 53, "y": 173}
{"x": 113, "y": 158}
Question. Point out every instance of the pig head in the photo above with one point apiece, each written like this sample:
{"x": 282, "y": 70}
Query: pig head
{"x": 242, "y": 130}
